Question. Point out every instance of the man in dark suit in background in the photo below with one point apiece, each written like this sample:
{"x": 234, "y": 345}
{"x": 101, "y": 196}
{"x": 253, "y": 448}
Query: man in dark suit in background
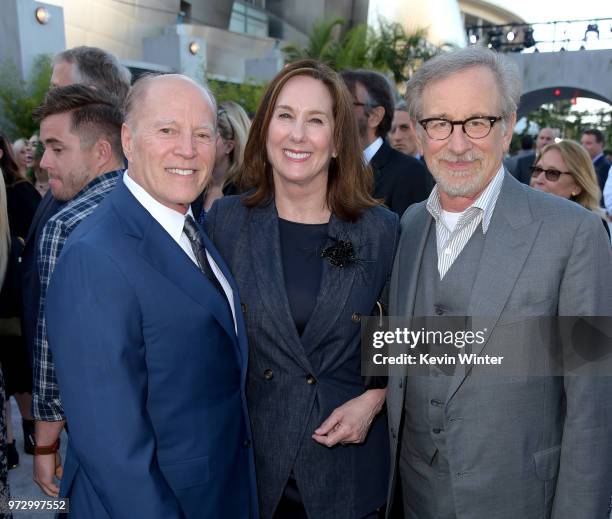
{"x": 147, "y": 335}
{"x": 400, "y": 180}
{"x": 593, "y": 141}
{"x": 522, "y": 171}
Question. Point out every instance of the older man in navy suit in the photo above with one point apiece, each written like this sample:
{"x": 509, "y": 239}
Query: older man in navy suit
{"x": 149, "y": 348}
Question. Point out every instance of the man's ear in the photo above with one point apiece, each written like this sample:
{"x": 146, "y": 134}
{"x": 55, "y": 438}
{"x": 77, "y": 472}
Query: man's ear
{"x": 228, "y": 146}
{"x": 376, "y": 116}
{"x": 103, "y": 151}
{"x": 126, "y": 141}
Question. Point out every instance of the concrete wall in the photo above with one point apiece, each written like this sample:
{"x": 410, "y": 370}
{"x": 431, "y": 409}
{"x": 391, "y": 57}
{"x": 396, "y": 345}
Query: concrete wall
{"x": 584, "y": 73}
{"x": 117, "y": 27}
{"x": 23, "y": 38}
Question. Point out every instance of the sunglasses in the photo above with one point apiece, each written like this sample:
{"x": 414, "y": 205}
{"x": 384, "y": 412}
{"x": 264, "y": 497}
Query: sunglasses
{"x": 552, "y": 175}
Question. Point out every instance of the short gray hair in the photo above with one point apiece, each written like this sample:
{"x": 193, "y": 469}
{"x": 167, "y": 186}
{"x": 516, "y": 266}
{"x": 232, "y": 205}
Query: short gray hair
{"x": 98, "y": 68}
{"x": 444, "y": 65}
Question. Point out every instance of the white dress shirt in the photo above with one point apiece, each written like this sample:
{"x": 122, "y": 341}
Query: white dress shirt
{"x": 173, "y": 222}
{"x": 371, "y": 150}
{"x": 607, "y": 192}
{"x": 454, "y": 231}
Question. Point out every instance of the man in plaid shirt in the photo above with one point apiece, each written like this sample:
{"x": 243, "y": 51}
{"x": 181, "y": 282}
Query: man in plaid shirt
{"x": 81, "y": 130}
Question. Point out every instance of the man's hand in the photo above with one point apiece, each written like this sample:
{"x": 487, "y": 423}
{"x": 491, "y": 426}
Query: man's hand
{"x": 351, "y": 422}
{"x": 47, "y": 467}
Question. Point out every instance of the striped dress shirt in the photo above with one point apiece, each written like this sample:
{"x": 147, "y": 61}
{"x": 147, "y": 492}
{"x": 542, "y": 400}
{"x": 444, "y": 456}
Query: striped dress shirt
{"x": 449, "y": 242}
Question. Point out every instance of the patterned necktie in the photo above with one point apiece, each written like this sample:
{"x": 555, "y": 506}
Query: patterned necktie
{"x": 195, "y": 239}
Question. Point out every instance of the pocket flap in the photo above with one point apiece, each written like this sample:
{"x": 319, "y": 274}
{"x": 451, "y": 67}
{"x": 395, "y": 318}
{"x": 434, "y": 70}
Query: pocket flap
{"x": 547, "y": 462}
{"x": 187, "y": 473}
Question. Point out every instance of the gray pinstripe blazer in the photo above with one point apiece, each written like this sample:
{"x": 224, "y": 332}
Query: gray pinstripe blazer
{"x": 295, "y": 382}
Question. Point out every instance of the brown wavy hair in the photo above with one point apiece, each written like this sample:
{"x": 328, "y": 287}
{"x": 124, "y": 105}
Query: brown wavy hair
{"x": 350, "y": 180}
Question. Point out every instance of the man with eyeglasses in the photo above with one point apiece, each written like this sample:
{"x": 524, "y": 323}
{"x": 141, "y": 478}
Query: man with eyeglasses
{"x": 399, "y": 180}
{"x": 481, "y": 441}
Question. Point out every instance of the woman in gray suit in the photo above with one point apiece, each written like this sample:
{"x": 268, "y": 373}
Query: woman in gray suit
{"x": 311, "y": 252}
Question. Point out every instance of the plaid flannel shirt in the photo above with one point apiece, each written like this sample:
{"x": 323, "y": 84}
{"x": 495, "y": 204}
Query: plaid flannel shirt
{"x": 46, "y": 403}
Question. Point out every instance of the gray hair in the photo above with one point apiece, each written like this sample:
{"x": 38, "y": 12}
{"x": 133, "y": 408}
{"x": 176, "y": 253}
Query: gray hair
{"x": 98, "y": 68}
{"x": 401, "y": 105}
{"x": 138, "y": 93}
{"x": 444, "y": 65}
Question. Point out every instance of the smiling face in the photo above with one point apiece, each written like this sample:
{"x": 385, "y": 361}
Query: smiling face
{"x": 566, "y": 186}
{"x": 300, "y": 139}
{"x": 169, "y": 141}
{"x": 462, "y": 166}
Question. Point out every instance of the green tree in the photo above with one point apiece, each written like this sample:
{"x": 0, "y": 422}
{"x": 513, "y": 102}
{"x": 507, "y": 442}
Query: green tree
{"x": 388, "y": 48}
{"x": 246, "y": 94}
{"x": 572, "y": 123}
{"x": 18, "y": 98}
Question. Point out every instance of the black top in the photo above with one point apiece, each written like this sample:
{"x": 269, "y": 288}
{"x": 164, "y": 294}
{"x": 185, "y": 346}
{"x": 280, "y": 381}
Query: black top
{"x": 22, "y": 199}
{"x": 301, "y": 246}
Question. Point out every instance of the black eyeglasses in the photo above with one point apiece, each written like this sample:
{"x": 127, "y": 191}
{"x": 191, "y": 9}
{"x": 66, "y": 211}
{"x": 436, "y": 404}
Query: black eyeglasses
{"x": 440, "y": 129}
{"x": 552, "y": 175}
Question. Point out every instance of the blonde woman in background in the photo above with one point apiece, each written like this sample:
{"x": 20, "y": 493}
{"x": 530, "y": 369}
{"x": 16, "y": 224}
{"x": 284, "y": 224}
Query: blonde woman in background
{"x": 233, "y": 126}
{"x": 565, "y": 169}
{"x": 4, "y": 255}
{"x": 23, "y": 156}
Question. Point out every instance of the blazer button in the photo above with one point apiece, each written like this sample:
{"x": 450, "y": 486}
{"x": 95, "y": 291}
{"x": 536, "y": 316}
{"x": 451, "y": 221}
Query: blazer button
{"x": 243, "y": 308}
{"x": 268, "y": 374}
{"x": 310, "y": 380}
{"x": 436, "y": 431}
{"x": 356, "y": 317}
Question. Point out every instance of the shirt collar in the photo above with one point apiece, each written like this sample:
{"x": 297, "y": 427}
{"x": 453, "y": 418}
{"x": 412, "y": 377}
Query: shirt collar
{"x": 485, "y": 202}
{"x": 596, "y": 157}
{"x": 371, "y": 150}
{"x": 105, "y": 177}
{"x": 172, "y": 221}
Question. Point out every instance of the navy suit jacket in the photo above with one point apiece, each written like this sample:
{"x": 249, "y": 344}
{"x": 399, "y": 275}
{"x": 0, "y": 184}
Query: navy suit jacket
{"x": 295, "y": 382}
{"x": 400, "y": 180}
{"x": 151, "y": 372}
{"x": 602, "y": 166}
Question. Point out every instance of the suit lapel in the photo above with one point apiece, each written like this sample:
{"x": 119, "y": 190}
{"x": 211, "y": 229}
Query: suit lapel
{"x": 414, "y": 238}
{"x": 508, "y": 241}
{"x": 336, "y": 284}
{"x": 166, "y": 256}
{"x": 264, "y": 240}
{"x": 378, "y": 162}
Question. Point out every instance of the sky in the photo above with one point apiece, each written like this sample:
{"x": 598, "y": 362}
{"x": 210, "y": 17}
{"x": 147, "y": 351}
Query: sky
{"x": 533, "y": 11}
{"x": 550, "y": 10}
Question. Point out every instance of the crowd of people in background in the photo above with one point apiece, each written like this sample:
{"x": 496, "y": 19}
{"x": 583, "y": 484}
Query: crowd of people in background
{"x": 94, "y": 181}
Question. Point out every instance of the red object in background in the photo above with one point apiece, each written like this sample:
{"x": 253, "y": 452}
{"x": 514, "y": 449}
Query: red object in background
{"x": 557, "y": 92}
{"x": 573, "y": 100}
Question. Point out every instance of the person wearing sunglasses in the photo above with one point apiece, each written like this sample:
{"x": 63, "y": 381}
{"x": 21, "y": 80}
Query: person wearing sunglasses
{"x": 565, "y": 169}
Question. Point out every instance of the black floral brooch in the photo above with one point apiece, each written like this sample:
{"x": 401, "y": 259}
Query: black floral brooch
{"x": 340, "y": 254}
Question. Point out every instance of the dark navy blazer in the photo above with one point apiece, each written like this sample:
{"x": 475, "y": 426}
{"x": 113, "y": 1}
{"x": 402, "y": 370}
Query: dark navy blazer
{"x": 294, "y": 383}
{"x": 151, "y": 373}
